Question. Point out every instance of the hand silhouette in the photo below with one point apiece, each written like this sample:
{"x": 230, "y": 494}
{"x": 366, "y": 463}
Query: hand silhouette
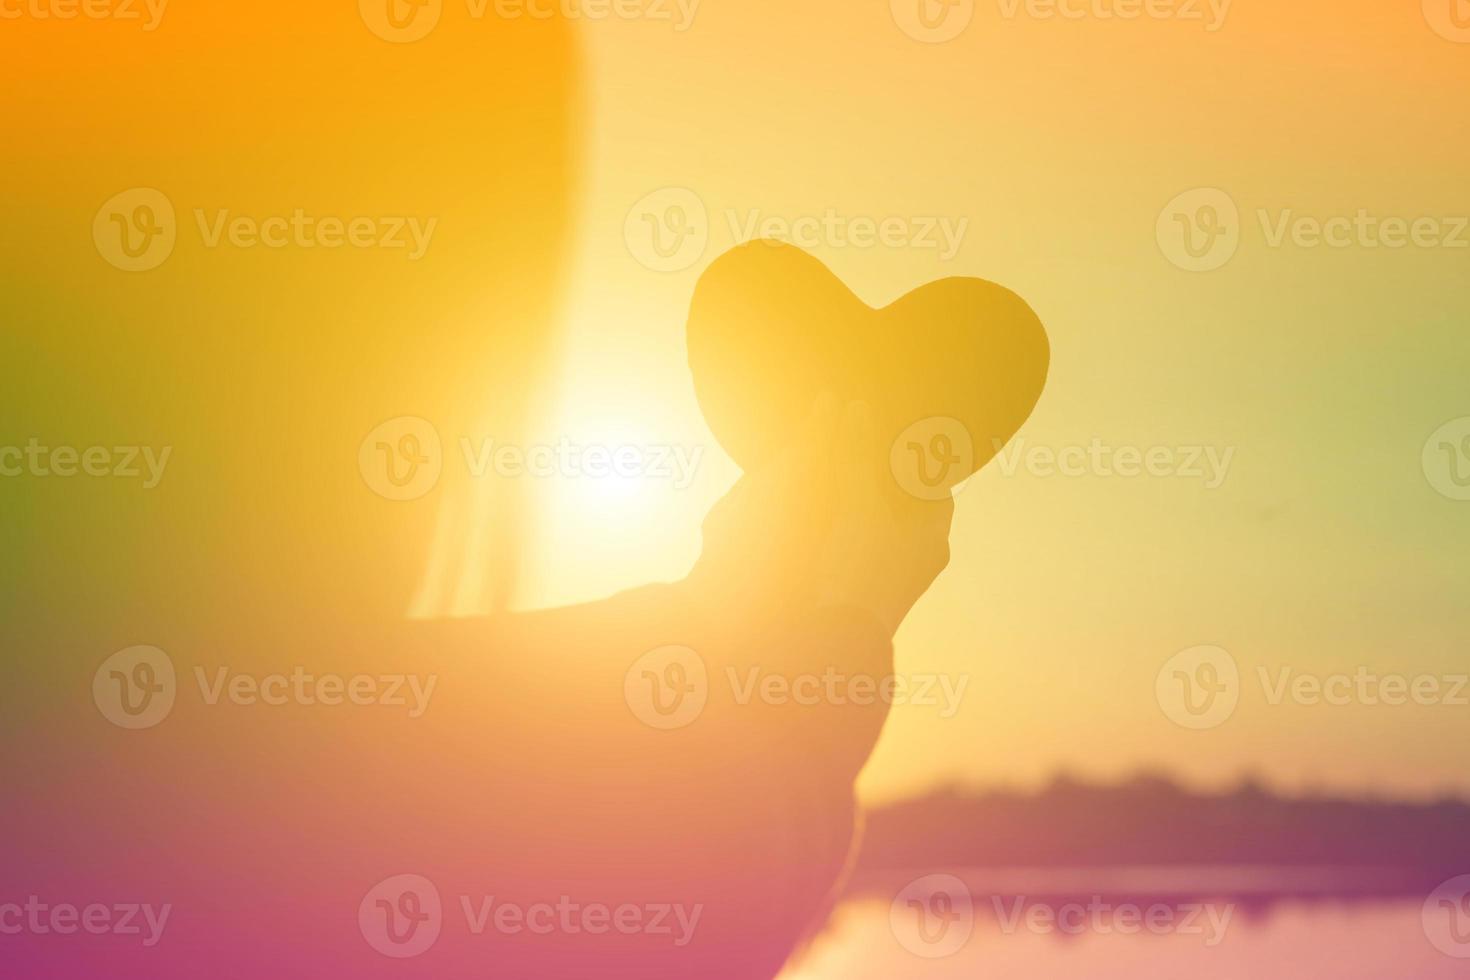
{"x": 823, "y": 523}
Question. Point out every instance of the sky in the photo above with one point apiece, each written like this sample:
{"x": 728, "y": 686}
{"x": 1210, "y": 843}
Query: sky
{"x": 1290, "y": 390}
{"x": 1243, "y": 226}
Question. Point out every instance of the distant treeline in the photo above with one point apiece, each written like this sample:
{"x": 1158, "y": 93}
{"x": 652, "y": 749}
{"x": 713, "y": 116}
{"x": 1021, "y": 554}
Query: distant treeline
{"x": 1153, "y": 821}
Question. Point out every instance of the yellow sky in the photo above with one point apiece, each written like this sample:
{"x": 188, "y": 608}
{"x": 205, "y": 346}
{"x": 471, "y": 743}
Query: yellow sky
{"x": 1318, "y": 373}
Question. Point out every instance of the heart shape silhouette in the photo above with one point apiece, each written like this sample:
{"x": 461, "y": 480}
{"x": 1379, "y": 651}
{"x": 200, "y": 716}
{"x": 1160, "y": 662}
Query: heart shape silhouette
{"x": 770, "y": 328}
